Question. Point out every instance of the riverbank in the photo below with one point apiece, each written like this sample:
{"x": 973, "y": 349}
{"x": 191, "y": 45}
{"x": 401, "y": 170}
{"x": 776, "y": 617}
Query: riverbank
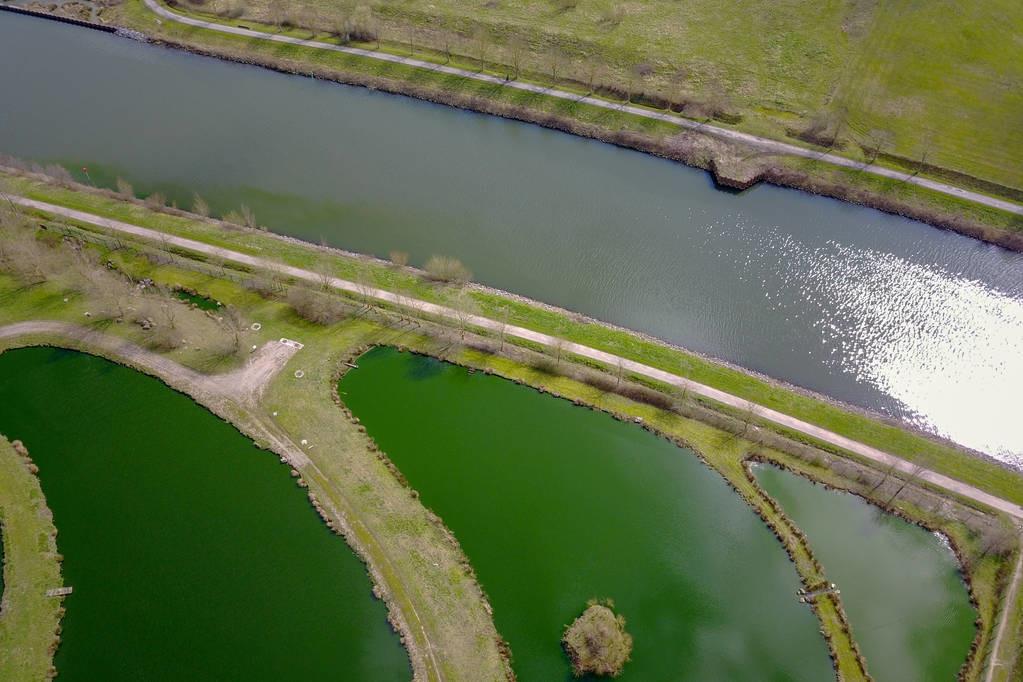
{"x": 735, "y": 156}
{"x": 29, "y": 619}
{"x": 351, "y": 482}
{"x": 401, "y": 286}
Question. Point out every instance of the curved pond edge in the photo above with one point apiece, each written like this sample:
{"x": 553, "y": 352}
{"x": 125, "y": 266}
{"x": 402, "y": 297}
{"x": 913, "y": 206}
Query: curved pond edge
{"x": 704, "y": 153}
{"x": 954, "y": 545}
{"x": 16, "y": 450}
{"x": 340, "y": 522}
{"x": 838, "y": 637}
{"x": 783, "y": 529}
{"x": 333, "y": 519}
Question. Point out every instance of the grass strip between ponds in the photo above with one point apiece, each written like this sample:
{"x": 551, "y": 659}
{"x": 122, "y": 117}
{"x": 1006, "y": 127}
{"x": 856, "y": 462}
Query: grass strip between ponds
{"x": 29, "y": 620}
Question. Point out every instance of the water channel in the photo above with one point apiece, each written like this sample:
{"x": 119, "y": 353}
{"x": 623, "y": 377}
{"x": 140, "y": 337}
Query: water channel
{"x": 872, "y": 309}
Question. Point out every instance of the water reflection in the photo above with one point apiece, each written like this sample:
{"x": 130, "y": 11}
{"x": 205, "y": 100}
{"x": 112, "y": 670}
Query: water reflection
{"x": 949, "y": 348}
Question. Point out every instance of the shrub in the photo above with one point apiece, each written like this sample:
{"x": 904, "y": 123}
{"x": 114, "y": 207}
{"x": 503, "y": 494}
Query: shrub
{"x": 315, "y": 307}
{"x": 447, "y": 269}
{"x": 199, "y": 206}
{"x": 399, "y": 258}
{"x": 125, "y": 189}
{"x": 601, "y": 382}
{"x": 545, "y": 365}
{"x": 646, "y": 395}
{"x": 156, "y": 200}
{"x": 597, "y": 642}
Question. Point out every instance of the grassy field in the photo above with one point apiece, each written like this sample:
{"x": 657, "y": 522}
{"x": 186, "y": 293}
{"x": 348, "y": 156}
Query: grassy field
{"x": 28, "y": 618}
{"x": 416, "y": 561}
{"x": 945, "y": 80}
{"x": 938, "y": 82}
{"x": 933, "y": 454}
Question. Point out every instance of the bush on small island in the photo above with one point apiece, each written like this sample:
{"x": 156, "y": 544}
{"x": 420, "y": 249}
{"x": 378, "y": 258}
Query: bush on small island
{"x": 597, "y": 642}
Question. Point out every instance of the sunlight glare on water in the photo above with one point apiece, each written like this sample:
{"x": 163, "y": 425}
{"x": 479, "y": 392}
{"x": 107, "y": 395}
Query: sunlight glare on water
{"x": 947, "y": 347}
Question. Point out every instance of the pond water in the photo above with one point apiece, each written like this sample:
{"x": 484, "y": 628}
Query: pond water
{"x": 905, "y": 599}
{"x": 555, "y": 505}
{"x": 193, "y": 555}
{"x": 872, "y": 309}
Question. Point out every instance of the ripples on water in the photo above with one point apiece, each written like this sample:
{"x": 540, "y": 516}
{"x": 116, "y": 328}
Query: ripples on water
{"x": 947, "y": 347}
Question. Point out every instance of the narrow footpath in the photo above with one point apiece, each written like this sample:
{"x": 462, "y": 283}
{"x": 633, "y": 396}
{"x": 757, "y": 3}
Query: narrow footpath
{"x": 762, "y": 143}
{"x": 1007, "y": 611}
{"x": 878, "y": 456}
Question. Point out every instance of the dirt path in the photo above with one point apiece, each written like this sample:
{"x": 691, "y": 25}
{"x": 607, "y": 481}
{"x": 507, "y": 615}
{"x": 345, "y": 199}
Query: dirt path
{"x": 1003, "y": 625}
{"x": 244, "y": 384}
{"x": 880, "y": 457}
{"x": 762, "y": 143}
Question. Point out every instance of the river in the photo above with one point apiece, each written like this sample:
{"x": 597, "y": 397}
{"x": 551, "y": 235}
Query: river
{"x": 193, "y": 554}
{"x": 872, "y": 309}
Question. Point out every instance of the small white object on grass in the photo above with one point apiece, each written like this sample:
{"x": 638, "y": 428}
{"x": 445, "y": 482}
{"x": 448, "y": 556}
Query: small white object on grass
{"x": 305, "y": 442}
{"x": 299, "y": 374}
{"x": 275, "y": 413}
{"x": 256, "y": 326}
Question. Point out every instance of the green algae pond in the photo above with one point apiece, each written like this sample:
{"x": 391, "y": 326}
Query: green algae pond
{"x": 554, "y": 505}
{"x": 901, "y": 587}
{"x": 193, "y": 555}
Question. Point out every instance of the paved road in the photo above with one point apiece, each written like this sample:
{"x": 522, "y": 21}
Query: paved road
{"x": 763, "y": 143}
{"x": 871, "y": 453}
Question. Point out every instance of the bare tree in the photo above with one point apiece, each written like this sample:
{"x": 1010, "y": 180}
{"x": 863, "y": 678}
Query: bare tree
{"x": 324, "y": 275}
{"x": 465, "y": 309}
{"x": 555, "y": 60}
{"x": 232, "y": 323}
{"x": 516, "y": 50}
{"x": 169, "y": 313}
{"x": 748, "y": 417}
{"x": 914, "y": 474}
{"x": 877, "y": 141}
{"x": 481, "y": 41}
{"x": 364, "y": 282}
{"x": 888, "y": 470}
{"x": 559, "y": 348}
{"x": 503, "y": 321}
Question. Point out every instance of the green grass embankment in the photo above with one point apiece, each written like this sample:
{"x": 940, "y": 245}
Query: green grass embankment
{"x": 931, "y": 453}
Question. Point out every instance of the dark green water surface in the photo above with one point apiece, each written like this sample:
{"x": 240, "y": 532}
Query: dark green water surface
{"x": 555, "y": 504}
{"x": 901, "y": 588}
{"x": 193, "y": 555}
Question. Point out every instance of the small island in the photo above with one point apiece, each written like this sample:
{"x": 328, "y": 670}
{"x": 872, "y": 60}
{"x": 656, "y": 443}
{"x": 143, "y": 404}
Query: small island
{"x": 597, "y": 641}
